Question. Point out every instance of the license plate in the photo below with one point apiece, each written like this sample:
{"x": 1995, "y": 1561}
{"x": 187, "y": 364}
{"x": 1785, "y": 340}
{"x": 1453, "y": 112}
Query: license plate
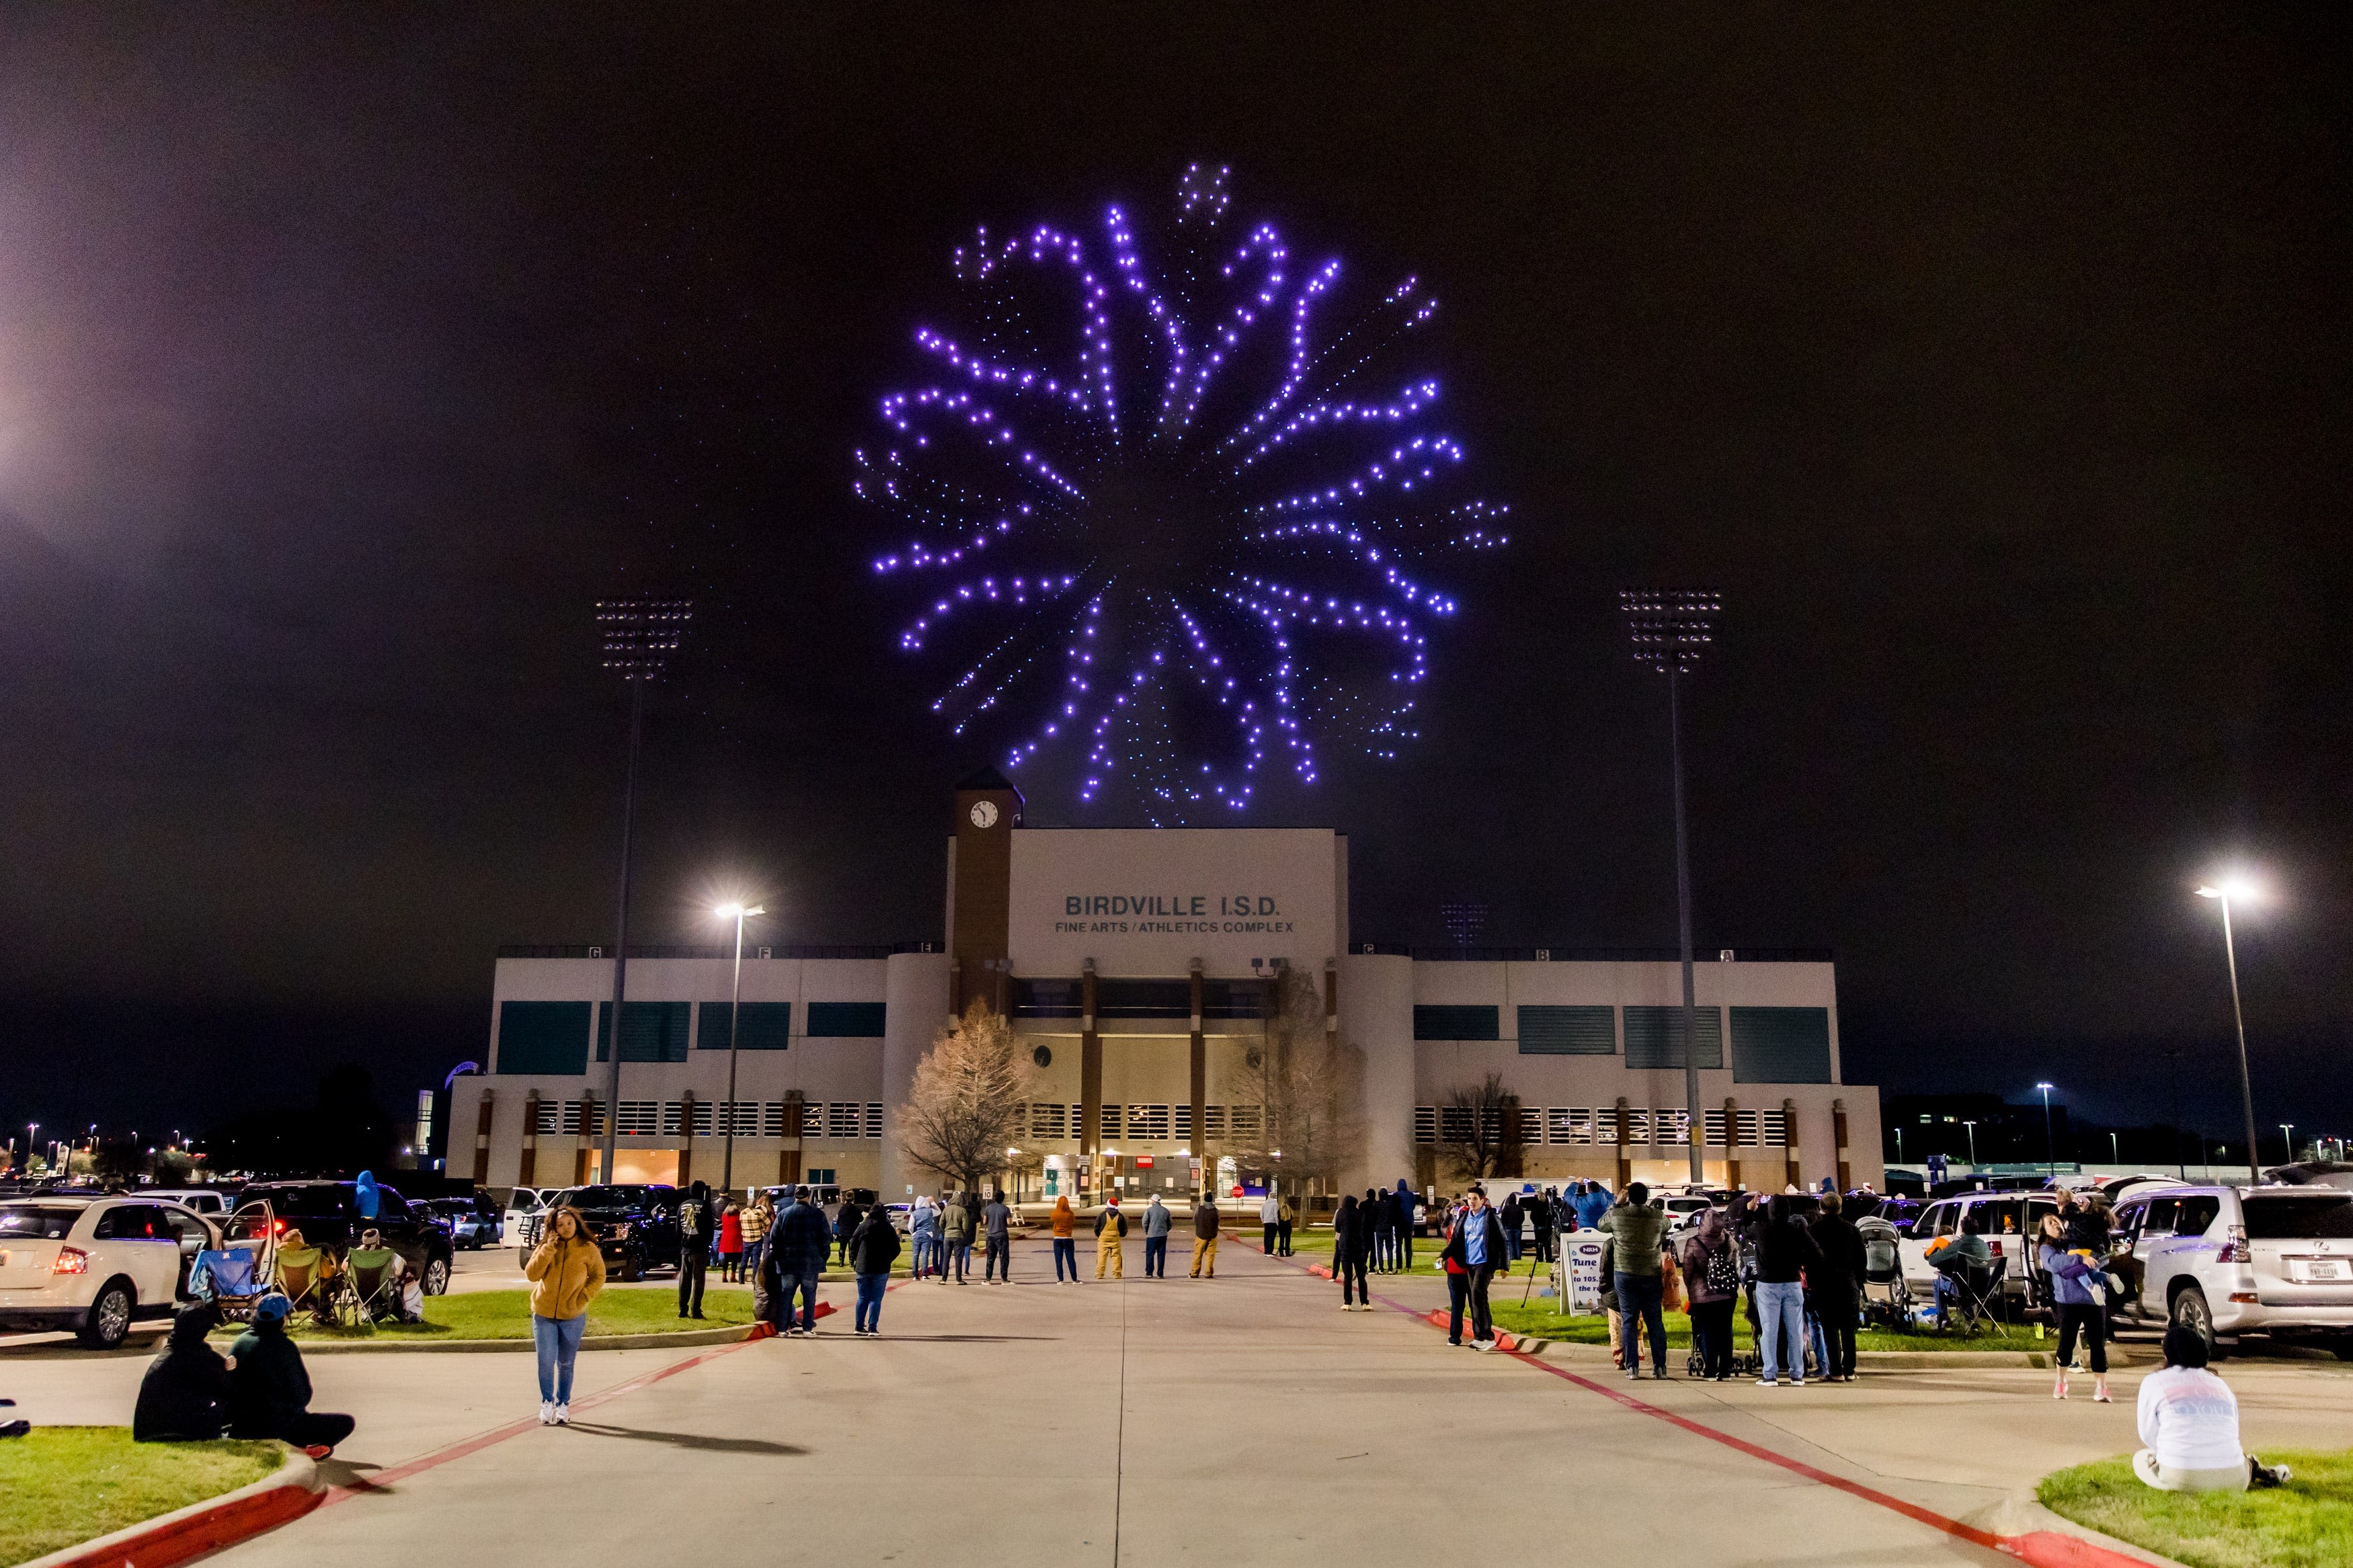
{"x": 2318, "y": 1270}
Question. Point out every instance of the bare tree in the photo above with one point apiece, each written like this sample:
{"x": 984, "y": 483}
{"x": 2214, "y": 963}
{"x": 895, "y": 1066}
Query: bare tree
{"x": 1479, "y": 1130}
{"x": 970, "y": 1098}
{"x": 1305, "y": 1084}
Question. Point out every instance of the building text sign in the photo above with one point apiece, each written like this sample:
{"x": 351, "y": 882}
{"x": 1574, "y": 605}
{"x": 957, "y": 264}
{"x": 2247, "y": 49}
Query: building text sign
{"x": 1147, "y": 901}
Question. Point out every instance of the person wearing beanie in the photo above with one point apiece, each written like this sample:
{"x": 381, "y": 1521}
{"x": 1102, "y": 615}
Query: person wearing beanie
{"x": 270, "y": 1390}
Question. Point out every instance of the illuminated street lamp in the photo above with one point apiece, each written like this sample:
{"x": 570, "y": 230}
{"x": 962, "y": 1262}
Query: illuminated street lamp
{"x": 2049, "y": 1144}
{"x": 639, "y": 636}
{"x": 738, "y": 913}
{"x": 1973, "y": 1143}
{"x": 2229, "y": 888}
{"x": 2287, "y": 1136}
{"x": 1668, "y": 630}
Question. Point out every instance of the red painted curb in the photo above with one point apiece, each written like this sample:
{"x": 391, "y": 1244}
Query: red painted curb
{"x": 186, "y": 1539}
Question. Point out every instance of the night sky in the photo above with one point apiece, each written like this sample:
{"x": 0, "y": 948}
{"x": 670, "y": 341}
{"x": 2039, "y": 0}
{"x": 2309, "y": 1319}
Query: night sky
{"x": 1992, "y": 365}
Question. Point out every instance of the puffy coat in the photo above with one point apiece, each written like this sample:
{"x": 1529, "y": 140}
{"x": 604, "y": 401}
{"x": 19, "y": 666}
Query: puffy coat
{"x": 1205, "y": 1220}
{"x": 875, "y": 1246}
{"x": 1639, "y": 1229}
{"x": 564, "y": 1277}
{"x": 955, "y": 1225}
{"x": 801, "y": 1242}
{"x": 185, "y": 1395}
{"x": 268, "y": 1386}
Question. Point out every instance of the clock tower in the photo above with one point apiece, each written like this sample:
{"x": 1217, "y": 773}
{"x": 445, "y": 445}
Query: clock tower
{"x": 980, "y": 869}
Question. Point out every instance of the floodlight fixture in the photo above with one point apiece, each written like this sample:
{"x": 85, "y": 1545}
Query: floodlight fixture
{"x": 640, "y": 634}
{"x": 1671, "y": 627}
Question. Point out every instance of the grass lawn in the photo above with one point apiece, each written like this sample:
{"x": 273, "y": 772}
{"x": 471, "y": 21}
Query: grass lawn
{"x": 61, "y": 1485}
{"x": 2308, "y": 1523}
{"x": 1538, "y": 1319}
{"x": 506, "y": 1315}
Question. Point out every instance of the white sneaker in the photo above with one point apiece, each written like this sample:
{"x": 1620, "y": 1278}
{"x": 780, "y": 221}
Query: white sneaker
{"x": 547, "y": 1413}
{"x": 564, "y": 1415}
{"x": 1483, "y": 1344}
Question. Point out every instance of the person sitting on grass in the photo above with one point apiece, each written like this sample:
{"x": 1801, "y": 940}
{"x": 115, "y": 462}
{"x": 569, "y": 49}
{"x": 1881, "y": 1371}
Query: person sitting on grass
{"x": 269, "y": 1391}
{"x": 2189, "y": 1419}
{"x": 184, "y": 1397}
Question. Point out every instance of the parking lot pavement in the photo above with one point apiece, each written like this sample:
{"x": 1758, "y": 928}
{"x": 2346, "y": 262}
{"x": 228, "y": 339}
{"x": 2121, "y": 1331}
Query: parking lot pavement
{"x": 1241, "y": 1419}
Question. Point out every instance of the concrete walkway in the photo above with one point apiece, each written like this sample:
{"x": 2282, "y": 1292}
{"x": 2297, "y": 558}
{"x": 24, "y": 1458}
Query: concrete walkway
{"x": 1241, "y": 1420}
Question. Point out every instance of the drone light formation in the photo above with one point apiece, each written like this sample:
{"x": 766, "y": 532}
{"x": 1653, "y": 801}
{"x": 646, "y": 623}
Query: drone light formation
{"x": 1168, "y": 510}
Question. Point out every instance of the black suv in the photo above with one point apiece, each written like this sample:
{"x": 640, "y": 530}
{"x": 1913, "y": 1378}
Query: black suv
{"x": 636, "y": 1226}
{"x": 328, "y": 1216}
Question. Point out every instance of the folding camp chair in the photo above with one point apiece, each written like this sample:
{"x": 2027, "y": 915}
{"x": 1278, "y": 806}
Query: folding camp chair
{"x": 1974, "y": 1296}
{"x": 371, "y": 1285}
{"x": 239, "y": 1273}
{"x": 306, "y": 1276}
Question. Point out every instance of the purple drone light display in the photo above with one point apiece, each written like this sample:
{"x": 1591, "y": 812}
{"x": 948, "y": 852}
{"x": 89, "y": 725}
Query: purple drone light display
{"x": 1167, "y": 508}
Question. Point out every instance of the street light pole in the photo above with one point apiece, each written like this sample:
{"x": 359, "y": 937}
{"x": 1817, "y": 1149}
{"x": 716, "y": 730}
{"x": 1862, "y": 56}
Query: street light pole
{"x": 1973, "y": 1146}
{"x": 2287, "y": 1137}
{"x": 734, "y": 1041}
{"x": 639, "y": 637}
{"x": 1669, "y": 630}
{"x": 2049, "y": 1144}
{"x": 2222, "y": 895}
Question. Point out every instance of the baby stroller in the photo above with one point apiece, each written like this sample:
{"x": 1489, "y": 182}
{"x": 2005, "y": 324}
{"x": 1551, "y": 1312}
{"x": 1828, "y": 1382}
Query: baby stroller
{"x": 1885, "y": 1295}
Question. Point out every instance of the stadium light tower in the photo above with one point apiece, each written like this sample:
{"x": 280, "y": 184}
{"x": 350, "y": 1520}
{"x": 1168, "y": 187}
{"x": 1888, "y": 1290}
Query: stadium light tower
{"x": 639, "y": 636}
{"x": 1671, "y": 629}
{"x": 2224, "y": 892}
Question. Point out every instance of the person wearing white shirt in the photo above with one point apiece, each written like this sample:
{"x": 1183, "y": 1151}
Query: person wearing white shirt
{"x": 2189, "y": 1419}
{"x": 1270, "y": 1215}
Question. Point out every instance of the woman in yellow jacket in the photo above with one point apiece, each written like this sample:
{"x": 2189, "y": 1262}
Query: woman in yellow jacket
{"x": 565, "y": 1274}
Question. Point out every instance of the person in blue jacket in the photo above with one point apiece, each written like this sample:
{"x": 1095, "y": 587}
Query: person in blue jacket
{"x": 2079, "y": 1293}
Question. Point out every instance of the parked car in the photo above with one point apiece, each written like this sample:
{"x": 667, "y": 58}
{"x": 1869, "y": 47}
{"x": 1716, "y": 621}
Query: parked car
{"x": 328, "y": 1216}
{"x": 635, "y": 1224}
{"x": 213, "y": 1202}
{"x": 93, "y": 1265}
{"x": 474, "y": 1222}
{"x": 2230, "y": 1260}
{"x": 2007, "y": 1219}
{"x": 523, "y": 1203}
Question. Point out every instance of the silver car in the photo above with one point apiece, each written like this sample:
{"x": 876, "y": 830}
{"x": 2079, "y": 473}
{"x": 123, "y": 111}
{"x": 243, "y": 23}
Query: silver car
{"x": 2231, "y": 1260}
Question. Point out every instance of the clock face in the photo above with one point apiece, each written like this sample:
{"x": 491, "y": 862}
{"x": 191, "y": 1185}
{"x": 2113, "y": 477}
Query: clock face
{"x": 984, "y": 814}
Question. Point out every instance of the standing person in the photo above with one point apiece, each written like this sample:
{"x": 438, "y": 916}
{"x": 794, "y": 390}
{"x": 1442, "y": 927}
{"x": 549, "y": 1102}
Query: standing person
{"x": 1785, "y": 1250}
{"x": 731, "y": 1246}
{"x": 2079, "y": 1296}
{"x": 694, "y": 1229}
{"x": 1540, "y": 1211}
{"x": 270, "y": 1390}
{"x": 1512, "y": 1227}
{"x": 1351, "y": 1243}
{"x": 1155, "y": 1240}
{"x": 1833, "y": 1287}
{"x": 955, "y": 1240}
{"x": 2190, "y": 1420}
{"x": 566, "y": 1271}
{"x": 1206, "y": 1221}
{"x": 1406, "y": 1205}
{"x": 1711, "y": 1274}
{"x": 924, "y": 1235}
{"x": 873, "y": 1247}
{"x": 1066, "y": 1246}
{"x": 184, "y": 1397}
{"x": 798, "y": 1249}
{"x": 1285, "y": 1218}
{"x": 1110, "y": 1225}
{"x": 1393, "y": 1225}
{"x": 1640, "y": 1231}
{"x": 845, "y": 1220}
{"x": 1270, "y": 1219}
{"x": 1473, "y": 1251}
{"x": 758, "y": 1219}
{"x": 997, "y": 1226}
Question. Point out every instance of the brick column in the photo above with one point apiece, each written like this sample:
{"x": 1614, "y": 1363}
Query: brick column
{"x": 482, "y": 1139}
{"x": 530, "y": 1165}
{"x": 1838, "y": 1138}
{"x": 587, "y": 1138}
{"x": 1796, "y": 1173}
{"x": 1731, "y": 1143}
{"x": 686, "y": 1140}
{"x": 1625, "y": 1165}
{"x": 1197, "y": 1074}
{"x": 1091, "y": 1138}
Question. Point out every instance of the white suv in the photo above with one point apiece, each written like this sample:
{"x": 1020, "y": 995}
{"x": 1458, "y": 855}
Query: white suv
{"x": 91, "y": 1265}
{"x": 2275, "y": 1260}
{"x": 2006, "y": 1220}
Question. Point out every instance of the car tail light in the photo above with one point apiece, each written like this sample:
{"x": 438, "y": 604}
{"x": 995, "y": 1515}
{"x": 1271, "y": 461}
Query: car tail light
{"x": 70, "y": 1260}
{"x": 2234, "y": 1250}
{"x": 2244, "y": 1298}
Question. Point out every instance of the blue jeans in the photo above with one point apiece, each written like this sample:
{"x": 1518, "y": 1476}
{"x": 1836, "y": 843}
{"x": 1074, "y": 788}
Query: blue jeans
{"x": 869, "y": 1299}
{"x": 804, "y": 1286}
{"x": 557, "y": 1340}
{"x": 1641, "y": 1296}
{"x": 1781, "y": 1309}
{"x": 1066, "y": 1255}
{"x": 1156, "y": 1257}
{"x": 919, "y": 1252}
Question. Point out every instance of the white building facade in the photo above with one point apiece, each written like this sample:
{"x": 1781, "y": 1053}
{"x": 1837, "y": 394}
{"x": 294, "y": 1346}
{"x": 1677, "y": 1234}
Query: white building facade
{"x": 1137, "y": 966}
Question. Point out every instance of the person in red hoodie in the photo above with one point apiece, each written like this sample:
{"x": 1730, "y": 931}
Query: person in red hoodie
{"x": 731, "y": 1245}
